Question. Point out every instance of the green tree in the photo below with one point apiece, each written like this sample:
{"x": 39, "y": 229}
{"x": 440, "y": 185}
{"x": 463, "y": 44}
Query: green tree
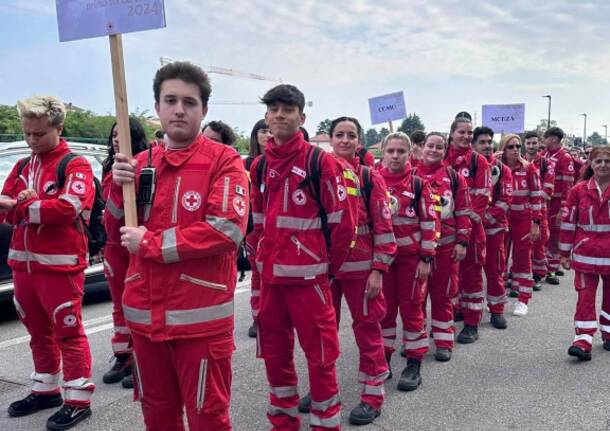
{"x": 242, "y": 142}
{"x": 543, "y": 126}
{"x": 324, "y": 127}
{"x": 383, "y": 133}
{"x": 411, "y": 124}
{"x": 9, "y": 119}
{"x": 596, "y": 139}
{"x": 371, "y": 137}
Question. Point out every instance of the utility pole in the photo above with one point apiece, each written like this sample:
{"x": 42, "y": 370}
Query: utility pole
{"x": 584, "y": 133}
{"x": 605, "y": 126}
{"x": 548, "y": 120}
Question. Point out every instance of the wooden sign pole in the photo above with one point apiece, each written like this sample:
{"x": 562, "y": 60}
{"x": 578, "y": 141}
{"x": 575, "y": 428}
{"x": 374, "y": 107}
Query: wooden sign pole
{"x": 391, "y": 127}
{"x": 122, "y": 117}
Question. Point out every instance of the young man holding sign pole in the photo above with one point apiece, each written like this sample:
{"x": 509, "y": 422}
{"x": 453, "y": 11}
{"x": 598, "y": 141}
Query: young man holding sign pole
{"x": 178, "y": 300}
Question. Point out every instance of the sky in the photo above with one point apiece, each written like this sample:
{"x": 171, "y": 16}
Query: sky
{"x": 446, "y": 56}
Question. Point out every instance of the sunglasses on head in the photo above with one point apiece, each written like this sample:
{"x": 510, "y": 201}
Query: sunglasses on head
{"x": 513, "y": 146}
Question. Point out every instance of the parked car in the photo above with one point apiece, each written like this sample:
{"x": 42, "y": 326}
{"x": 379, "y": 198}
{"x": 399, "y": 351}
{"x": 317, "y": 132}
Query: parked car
{"x": 9, "y": 155}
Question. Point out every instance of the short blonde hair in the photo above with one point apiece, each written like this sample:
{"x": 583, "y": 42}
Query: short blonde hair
{"x": 43, "y": 106}
{"x": 396, "y": 135}
{"x": 504, "y": 142}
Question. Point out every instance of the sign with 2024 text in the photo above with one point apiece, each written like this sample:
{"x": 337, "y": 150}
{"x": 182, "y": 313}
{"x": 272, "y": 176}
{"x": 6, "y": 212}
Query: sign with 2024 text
{"x": 388, "y": 107}
{"x": 505, "y": 118}
{"x": 82, "y": 19}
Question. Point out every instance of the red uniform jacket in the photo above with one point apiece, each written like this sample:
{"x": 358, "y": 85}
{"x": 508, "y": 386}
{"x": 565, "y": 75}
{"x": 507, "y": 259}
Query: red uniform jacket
{"x": 585, "y": 228}
{"x": 416, "y": 224}
{"x": 181, "y": 282}
{"x": 565, "y": 172}
{"x": 547, "y": 180}
{"x": 290, "y": 245}
{"x": 369, "y": 159}
{"x": 375, "y": 244}
{"x": 526, "y": 203}
{"x": 454, "y": 219}
{"x": 496, "y": 217}
{"x": 48, "y": 233}
{"x": 479, "y": 187}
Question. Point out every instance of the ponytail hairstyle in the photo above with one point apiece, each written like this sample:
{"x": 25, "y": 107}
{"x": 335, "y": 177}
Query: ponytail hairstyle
{"x": 455, "y": 124}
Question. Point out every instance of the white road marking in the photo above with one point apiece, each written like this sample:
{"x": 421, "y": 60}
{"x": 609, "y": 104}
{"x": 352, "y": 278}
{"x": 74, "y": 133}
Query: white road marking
{"x": 100, "y": 324}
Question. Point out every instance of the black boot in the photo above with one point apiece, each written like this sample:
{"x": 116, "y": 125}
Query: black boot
{"x": 537, "y": 286}
{"x": 457, "y": 316}
{"x": 33, "y": 403}
{"x": 498, "y": 321}
{"x": 127, "y": 382}
{"x": 242, "y": 276}
{"x": 252, "y": 330}
{"x": 410, "y": 378}
{"x": 579, "y": 353}
{"x": 67, "y": 417}
{"x": 120, "y": 369}
{"x": 363, "y": 414}
{"x": 607, "y": 345}
{"x": 469, "y": 334}
{"x": 442, "y": 355}
{"x": 305, "y": 403}
{"x": 560, "y": 273}
{"x": 552, "y": 279}
{"x": 403, "y": 351}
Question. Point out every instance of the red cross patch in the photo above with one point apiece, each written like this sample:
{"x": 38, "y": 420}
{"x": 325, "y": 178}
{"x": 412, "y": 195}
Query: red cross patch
{"x": 298, "y": 197}
{"x": 239, "y": 205}
{"x": 191, "y": 200}
{"x": 465, "y": 172}
{"x": 341, "y": 193}
{"x": 78, "y": 187}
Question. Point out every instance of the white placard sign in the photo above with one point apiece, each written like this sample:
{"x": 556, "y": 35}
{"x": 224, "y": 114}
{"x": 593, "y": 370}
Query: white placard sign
{"x": 505, "y": 118}
{"x": 388, "y": 107}
{"x": 82, "y": 19}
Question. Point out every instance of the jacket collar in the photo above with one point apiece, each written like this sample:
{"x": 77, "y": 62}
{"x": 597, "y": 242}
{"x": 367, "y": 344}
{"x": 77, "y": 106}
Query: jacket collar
{"x": 179, "y": 156}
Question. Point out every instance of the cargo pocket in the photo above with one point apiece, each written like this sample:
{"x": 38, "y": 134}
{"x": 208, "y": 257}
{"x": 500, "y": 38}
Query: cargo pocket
{"x": 328, "y": 337}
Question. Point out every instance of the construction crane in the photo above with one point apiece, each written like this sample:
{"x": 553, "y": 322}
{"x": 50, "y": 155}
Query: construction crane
{"x": 227, "y": 71}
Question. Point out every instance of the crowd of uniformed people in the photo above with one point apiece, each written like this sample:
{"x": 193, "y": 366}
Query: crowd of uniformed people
{"x": 433, "y": 218}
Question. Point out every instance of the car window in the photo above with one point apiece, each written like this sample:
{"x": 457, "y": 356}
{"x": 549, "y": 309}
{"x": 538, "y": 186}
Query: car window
{"x": 96, "y": 166}
{"x": 6, "y": 165}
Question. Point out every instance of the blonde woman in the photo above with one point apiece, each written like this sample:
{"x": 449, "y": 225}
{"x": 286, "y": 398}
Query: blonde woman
{"x": 524, "y": 218}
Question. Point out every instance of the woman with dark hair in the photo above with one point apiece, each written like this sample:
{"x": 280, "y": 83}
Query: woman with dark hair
{"x": 258, "y": 140}
{"x": 585, "y": 247}
{"x": 116, "y": 259}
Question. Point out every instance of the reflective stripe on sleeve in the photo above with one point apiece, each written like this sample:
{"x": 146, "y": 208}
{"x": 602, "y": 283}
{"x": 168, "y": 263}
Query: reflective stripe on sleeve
{"x": 114, "y": 210}
{"x": 444, "y": 240}
{"x": 568, "y": 226}
{"x": 385, "y": 238}
{"x": 476, "y": 192}
{"x": 72, "y": 200}
{"x": 594, "y": 227}
{"x": 564, "y": 246}
{"x": 386, "y": 259}
{"x": 258, "y": 218}
{"x": 334, "y": 217}
{"x": 362, "y": 265}
{"x": 521, "y": 192}
{"x": 226, "y": 227}
{"x": 169, "y": 248}
{"x": 34, "y": 212}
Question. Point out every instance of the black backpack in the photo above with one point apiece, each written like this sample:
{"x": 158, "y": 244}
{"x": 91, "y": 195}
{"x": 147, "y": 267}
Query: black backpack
{"x": 312, "y": 180}
{"x": 96, "y": 234}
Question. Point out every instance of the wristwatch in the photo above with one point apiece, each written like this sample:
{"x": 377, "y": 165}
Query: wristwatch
{"x": 426, "y": 259}
{"x": 463, "y": 243}
{"x": 536, "y": 221}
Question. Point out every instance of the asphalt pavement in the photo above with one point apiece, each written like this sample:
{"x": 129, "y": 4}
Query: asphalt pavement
{"x": 520, "y": 378}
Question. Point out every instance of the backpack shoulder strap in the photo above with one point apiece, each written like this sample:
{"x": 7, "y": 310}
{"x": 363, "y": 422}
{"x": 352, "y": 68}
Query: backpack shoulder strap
{"x": 474, "y": 160}
{"x": 367, "y": 185}
{"x": 453, "y": 178}
{"x": 543, "y": 167}
{"x": 314, "y": 170}
{"x": 61, "y": 169}
{"x": 22, "y": 164}
{"x": 261, "y": 167}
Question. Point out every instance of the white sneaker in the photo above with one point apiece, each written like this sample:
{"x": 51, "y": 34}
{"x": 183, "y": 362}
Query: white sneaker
{"x": 520, "y": 309}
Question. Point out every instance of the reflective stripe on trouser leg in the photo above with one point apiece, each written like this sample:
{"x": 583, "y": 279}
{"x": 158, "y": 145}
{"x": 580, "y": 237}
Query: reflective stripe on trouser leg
{"x": 521, "y": 268}
{"x": 604, "y": 316}
{"x": 585, "y": 318}
{"x": 471, "y": 278}
{"x": 553, "y": 256}
{"x": 116, "y": 260}
{"x": 44, "y": 383}
{"x": 391, "y": 288}
{"x": 496, "y": 292}
{"x": 442, "y": 285}
{"x": 78, "y": 391}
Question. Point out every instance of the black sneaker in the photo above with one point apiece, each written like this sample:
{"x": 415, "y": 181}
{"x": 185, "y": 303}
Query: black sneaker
{"x": 252, "y": 330}
{"x": 579, "y": 353}
{"x": 242, "y": 277}
{"x": 607, "y": 345}
{"x": 305, "y": 403}
{"x": 537, "y": 286}
{"x": 127, "y": 382}
{"x": 33, "y": 403}
{"x": 552, "y": 279}
{"x": 536, "y": 278}
{"x": 120, "y": 369}
{"x": 442, "y": 355}
{"x": 67, "y": 417}
{"x": 513, "y": 293}
{"x": 403, "y": 351}
{"x": 410, "y": 378}
{"x": 560, "y": 273}
{"x": 363, "y": 414}
{"x": 469, "y": 335}
{"x": 498, "y": 321}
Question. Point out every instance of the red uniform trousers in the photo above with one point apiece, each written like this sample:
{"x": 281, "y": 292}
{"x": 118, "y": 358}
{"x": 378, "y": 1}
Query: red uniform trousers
{"x": 255, "y": 288}
{"x": 584, "y": 318}
{"x": 552, "y": 248}
{"x": 539, "y": 262}
{"x": 309, "y": 310}
{"x": 495, "y": 264}
{"x": 521, "y": 268}
{"x": 49, "y": 305}
{"x": 116, "y": 261}
{"x": 471, "y": 277}
{"x": 366, "y": 316}
{"x": 190, "y": 373}
{"x": 404, "y": 292}
{"x": 442, "y": 287}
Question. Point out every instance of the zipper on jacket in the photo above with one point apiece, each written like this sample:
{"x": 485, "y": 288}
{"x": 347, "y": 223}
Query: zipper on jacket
{"x": 320, "y": 293}
{"x": 175, "y": 207}
{"x": 225, "y": 194}
{"x": 286, "y": 190}
{"x": 301, "y": 246}
{"x": 132, "y": 277}
{"x": 204, "y": 283}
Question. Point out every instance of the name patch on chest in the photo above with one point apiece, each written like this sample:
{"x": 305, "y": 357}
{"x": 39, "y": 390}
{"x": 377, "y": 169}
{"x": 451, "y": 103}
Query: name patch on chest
{"x": 298, "y": 171}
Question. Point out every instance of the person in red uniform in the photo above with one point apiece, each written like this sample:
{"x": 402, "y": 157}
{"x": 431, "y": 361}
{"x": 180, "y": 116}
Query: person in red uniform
{"x": 48, "y": 256}
{"x": 304, "y": 239}
{"x": 116, "y": 260}
{"x": 546, "y": 173}
{"x": 565, "y": 174}
{"x": 496, "y": 226}
{"x": 585, "y": 248}
{"x": 179, "y": 287}
{"x": 477, "y": 172}
{"x": 451, "y": 191}
{"x": 416, "y": 225}
{"x": 360, "y": 277}
{"x": 524, "y": 219}
{"x": 416, "y": 157}
{"x": 365, "y": 156}
{"x": 258, "y": 140}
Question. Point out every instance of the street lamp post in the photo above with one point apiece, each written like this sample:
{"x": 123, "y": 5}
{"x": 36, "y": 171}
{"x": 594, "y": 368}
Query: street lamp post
{"x": 605, "y": 126}
{"x": 548, "y": 123}
{"x": 584, "y": 133}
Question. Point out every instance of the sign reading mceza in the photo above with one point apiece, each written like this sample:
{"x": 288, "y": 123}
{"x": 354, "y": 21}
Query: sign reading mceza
{"x": 505, "y": 118}
{"x": 82, "y": 19}
{"x": 388, "y": 107}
